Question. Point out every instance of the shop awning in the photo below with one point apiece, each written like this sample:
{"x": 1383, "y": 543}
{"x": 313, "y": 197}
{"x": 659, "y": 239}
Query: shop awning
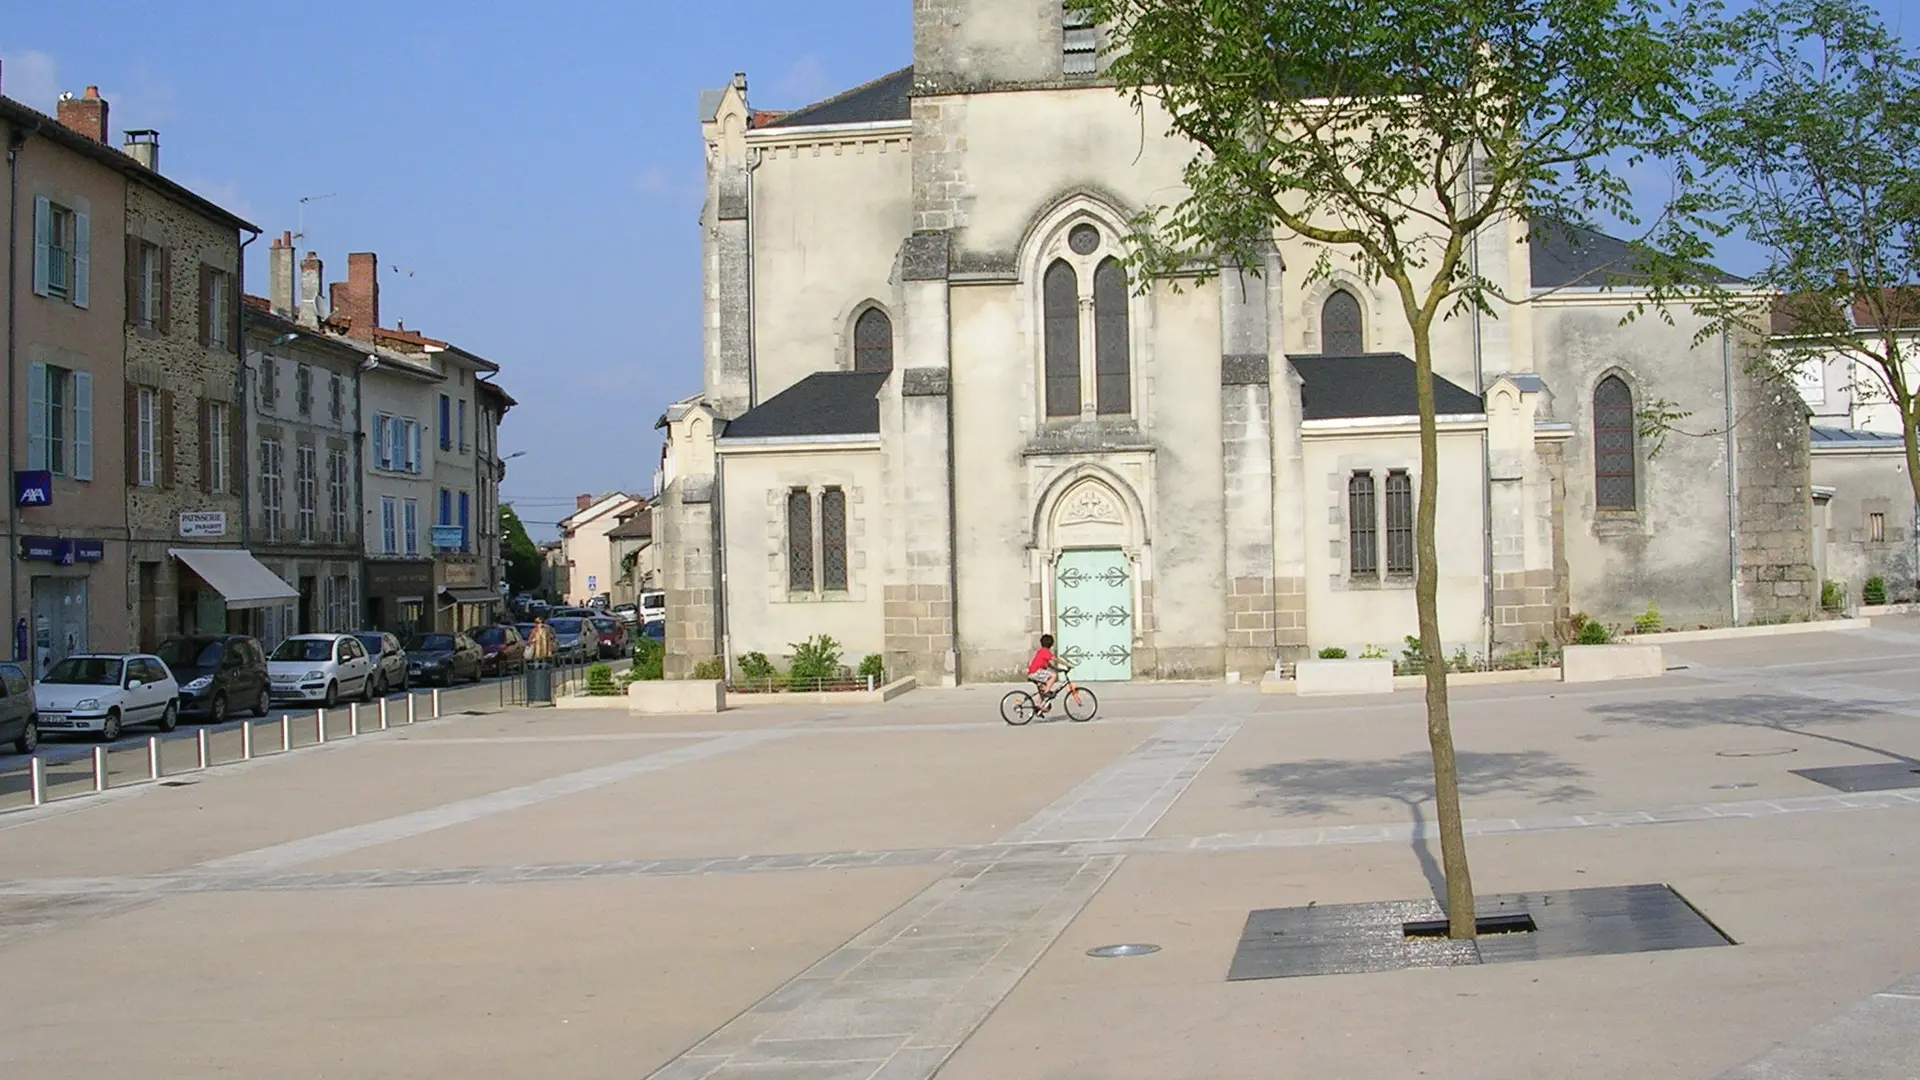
{"x": 469, "y": 596}
{"x": 237, "y": 576}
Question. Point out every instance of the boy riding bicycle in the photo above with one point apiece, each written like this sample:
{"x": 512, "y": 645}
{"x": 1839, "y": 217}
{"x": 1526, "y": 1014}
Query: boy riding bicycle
{"x": 1043, "y": 671}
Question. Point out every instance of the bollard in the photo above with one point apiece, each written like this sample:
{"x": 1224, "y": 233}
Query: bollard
{"x": 409, "y": 706}
{"x": 869, "y": 684}
{"x": 383, "y": 714}
{"x": 353, "y": 718}
{"x": 286, "y": 733}
{"x": 319, "y": 726}
{"x": 206, "y": 748}
{"x": 436, "y": 704}
{"x": 246, "y": 740}
{"x": 99, "y": 768}
{"x": 37, "y": 781}
{"x": 153, "y": 757}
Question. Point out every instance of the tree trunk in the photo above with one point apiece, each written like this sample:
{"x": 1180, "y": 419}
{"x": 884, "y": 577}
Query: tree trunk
{"x": 1426, "y": 592}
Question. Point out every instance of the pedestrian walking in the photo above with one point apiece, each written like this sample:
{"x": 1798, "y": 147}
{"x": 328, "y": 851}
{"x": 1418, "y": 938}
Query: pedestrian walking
{"x": 543, "y": 644}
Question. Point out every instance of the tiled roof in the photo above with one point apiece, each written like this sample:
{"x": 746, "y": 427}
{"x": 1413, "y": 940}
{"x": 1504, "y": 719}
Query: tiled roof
{"x": 882, "y": 99}
{"x": 637, "y": 527}
{"x": 1832, "y": 437}
{"x": 1564, "y": 255}
{"x": 1374, "y": 385}
{"x": 823, "y": 403}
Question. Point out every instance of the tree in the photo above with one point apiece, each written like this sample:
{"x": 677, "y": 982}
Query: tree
{"x": 1816, "y": 132}
{"x": 1397, "y": 132}
{"x": 523, "y": 559}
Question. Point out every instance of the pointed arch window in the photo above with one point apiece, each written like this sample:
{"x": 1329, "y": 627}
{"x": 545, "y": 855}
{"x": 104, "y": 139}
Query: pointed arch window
{"x": 1061, "y": 309}
{"x": 1340, "y": 331}
{"x": 1614, "y": 458}
{"x": 1112, "y": 382}
{"x": 873, "y": 341}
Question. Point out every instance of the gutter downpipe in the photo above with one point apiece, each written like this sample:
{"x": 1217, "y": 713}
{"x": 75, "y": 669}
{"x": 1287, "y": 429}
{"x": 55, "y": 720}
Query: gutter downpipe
{"x": 239, "y": 470}
{"x": 1486, "y": 449}
{"x": 953, "y": 504}
{"x": 1733, "y": 489}
{"x": 16, "y": 142}
{"x": 753, "y": 337}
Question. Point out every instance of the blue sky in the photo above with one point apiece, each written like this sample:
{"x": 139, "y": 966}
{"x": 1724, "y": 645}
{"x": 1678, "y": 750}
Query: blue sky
{"x": 531, "y": 185}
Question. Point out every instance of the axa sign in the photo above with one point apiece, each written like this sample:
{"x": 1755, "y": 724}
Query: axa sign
{"x": 32, "y": 488}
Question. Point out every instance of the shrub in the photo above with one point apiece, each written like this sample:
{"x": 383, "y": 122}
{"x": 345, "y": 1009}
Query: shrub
{"x": 874, "y": 667}
{"x": 600, "y": 681}
{"x": 1373, "y": 652}
{"x": 815, "y": 662}
{"x": 1650, "y": 622}
{"x": 649, "y": 661}
{"x": 1413, "y": 659}
{"x": 756, "y": 668}
{"x": 1833, "y": 596}
{"x": 711, "y": 670}
{"x": 1593, "y": 633}
{"x": 1875, "y": 591}
{"x": 1333, "y": 653}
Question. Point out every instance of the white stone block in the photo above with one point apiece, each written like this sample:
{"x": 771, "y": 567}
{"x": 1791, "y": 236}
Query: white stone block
{"x": 1605, "y": 663}
{"x": 1315, "y": 678}
{"x": 658, "y": 697}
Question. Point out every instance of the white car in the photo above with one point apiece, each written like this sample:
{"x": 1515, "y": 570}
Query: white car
{"x": 653, "y": 607}
{"x": 107, "y": 693}
{"x": 320, "y": 667}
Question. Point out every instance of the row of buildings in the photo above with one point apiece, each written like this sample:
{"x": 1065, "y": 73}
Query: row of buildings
{"x": 939, "y": 420}
{"x": 188, "y": 458}
{"x": 605, "y": 549}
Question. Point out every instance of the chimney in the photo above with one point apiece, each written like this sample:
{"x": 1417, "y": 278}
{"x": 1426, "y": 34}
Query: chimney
{"x": 358, "y": 298}
{"x": 143, "y": 146}
{"x": 86, "y": 115}
{"x": 310, "y": 270}
{"x": 581, "y": 502}
{"x": 280, "y": 276}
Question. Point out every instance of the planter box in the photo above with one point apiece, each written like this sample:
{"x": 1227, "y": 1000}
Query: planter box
{"x": 877, "y": 696}
{"x": 1606, "y": 663}
{"x": 659, "y": 697}
{"x": 1320, "y": 678}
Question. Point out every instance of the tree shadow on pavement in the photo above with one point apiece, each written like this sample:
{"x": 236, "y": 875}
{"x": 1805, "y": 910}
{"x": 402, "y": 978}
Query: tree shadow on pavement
{"x": 1323, "y": 785}
{"x": 1781, "y": 713}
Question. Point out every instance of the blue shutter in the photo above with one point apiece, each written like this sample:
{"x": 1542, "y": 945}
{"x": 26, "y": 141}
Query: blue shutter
{"x": 380, "y": 442}
{"x": 463, "y": 521}
{"x": 37, "y": 414}
{"x": 42, "y": 245}
{"x": 446, "y": 507}
{"x": 446, "y": 423}
{"x": 82, "y": 426}
{"x": 418, "y": 456}
{"x": 82, "y": 261}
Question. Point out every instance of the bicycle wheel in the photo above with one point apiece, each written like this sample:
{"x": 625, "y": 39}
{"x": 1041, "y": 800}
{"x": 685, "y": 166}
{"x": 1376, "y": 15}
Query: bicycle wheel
{"x": 1081, "y": 704}
{"x": 1018, "y": 707}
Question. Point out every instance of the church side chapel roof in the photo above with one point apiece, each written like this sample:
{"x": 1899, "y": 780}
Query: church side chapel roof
{"x": 823, "y": 403}
{"x": 885, "y": 98}
{"x": 1372, "y": 386}
{"x": 1853, "y": 438}
{"x": 1565, "y": 255}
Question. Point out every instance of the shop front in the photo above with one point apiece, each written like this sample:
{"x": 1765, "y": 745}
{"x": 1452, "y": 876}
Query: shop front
{"x": 227, "y": 590}
{"x": 61, "y": 599}
{"x": 399, "y": 595}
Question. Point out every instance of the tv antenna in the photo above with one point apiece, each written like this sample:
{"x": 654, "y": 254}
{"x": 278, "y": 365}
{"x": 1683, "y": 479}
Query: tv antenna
{"x": 300, "y": 217}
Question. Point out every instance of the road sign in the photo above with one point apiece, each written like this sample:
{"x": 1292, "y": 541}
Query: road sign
{"x": 32, "y": 488}
{"x": 593, "y": 585}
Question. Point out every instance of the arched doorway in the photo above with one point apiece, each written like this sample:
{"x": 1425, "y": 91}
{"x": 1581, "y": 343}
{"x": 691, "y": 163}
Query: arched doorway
{"x": 1091, "y": 540}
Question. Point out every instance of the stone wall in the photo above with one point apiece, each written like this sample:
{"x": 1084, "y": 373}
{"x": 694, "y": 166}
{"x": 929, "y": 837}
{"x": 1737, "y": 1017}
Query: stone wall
{"x": 1773, "y": 472}
{"x": 686, "y": 528}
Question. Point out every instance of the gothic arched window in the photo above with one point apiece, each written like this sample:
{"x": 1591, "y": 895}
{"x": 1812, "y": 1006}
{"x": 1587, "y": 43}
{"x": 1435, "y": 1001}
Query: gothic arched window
{"x": 1061, "y": 307}
{"x": 873, "y": 341}
{"x": 1112, "y": 383}
{"x": 1614, "y": 461}
{"x": 1340, "y": 331}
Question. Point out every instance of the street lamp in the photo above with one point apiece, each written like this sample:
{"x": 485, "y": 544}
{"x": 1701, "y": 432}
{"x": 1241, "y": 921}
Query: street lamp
{"x": 283, "y": 339}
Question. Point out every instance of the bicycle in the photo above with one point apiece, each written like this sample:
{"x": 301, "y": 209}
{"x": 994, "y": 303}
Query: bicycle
{"x": 1021, "y": 706}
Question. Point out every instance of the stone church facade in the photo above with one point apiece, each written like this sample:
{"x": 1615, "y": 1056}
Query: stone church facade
{"x": 939, "y": 420}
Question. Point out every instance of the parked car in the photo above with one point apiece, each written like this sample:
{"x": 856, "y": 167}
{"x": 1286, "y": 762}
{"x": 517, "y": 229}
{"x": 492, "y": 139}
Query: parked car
{"x": 320, "y": 667}
{"x": 627, "y": 613}
{"x": 657, "y": 630}
{"x": 573, "y": 638}
{"x": 18, "y": 723}
{"x": 573, "y": 613}
{"x": 218, "y": 673}
{"x": 610, "y": 638}
{"x": 503, "y": 650}
{"x": 599, "y": 604}
{"x": 389, "y": 662}
{"x": 653, "y": 606}
{"x": 107, "y": 693}
{"x": 444, "y": 658}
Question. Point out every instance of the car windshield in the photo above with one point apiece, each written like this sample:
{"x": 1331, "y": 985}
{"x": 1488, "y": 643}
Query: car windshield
{"x": 526, "y": 629}
{"x": 566, "y": 626}
{"x": 297, "y": 649}
{"x": 86, "y": 671}
{"x": 374, "y": 642}
{"x": 492, "y": 635}
{"x": 433, "y": 643}
{"x": 624, "y": 608}
{"x": 191, "y": 652}
{"x": 605, "y": 626}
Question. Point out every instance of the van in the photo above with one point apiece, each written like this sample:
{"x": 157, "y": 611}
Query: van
{"x": 653, "y": 607}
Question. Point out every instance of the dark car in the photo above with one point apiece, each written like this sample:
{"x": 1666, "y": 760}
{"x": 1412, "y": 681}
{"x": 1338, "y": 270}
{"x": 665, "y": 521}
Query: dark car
{"x": 219, "y": 675}
{"x": 611, "y": 637}
{"x": 389, "y": 661}
{"x": 503, "y": 650}
{"x": 443, "y": 658}
{"x": 18, "y": 723}
{"x": 657, "y": 630}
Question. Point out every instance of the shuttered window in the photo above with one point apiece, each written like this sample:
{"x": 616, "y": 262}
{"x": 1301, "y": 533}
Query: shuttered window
{"x": 1079, "y": 43}
{"x": 1363, "y": 527}
{"x": 1613, "y": 446}
{"x": 1061, "y": 304}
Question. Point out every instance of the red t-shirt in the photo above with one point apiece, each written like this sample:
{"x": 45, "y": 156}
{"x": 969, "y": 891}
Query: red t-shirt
{"x": 1042, "y": 660}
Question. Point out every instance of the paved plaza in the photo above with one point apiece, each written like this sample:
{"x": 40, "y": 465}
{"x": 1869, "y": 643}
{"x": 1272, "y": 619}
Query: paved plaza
{"x": 894, "y": 892}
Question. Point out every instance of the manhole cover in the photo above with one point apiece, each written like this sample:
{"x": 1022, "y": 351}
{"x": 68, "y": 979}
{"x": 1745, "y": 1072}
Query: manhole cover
{"x": 1771, "y": 751}
{"x": 1106, "y": 951}
{"x": 1735, "y": 787}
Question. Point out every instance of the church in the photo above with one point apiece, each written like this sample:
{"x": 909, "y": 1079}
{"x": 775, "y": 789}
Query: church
{"x": 938, "y": 419}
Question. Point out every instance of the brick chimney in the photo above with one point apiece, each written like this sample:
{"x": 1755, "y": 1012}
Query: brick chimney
{"x": 310, "y": 277}
{"x": 86, "y": 115}
{"x": 581, "y": 502}
{"x": 280, "y": 276}
{"x": 357, "y": 299}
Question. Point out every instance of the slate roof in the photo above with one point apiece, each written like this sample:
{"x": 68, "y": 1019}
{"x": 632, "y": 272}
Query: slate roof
{"x": 1374, "y": 385}
{"x": 1836, "y": 438}
{"x": 1565, "y": 255}
{"x": 637, "y": 527}
{"x": 823, "y": 403}
{"x": 885, "y": 98}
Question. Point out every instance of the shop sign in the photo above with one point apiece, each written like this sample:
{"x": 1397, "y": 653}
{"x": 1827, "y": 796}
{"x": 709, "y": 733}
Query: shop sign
{"x": 62, "y": 551}
{"x": 32, "y": 488}
{"x": 203, "y": 524}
